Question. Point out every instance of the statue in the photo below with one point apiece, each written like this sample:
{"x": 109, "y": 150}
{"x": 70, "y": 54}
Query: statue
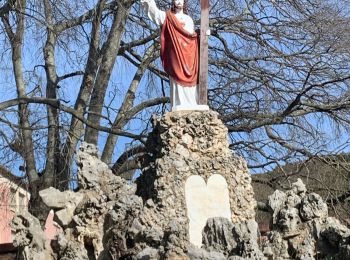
{"x": 179, "y": 53}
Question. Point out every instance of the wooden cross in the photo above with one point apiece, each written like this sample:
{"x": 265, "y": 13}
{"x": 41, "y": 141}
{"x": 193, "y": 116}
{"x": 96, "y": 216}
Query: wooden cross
{"x": 203, "y": 54}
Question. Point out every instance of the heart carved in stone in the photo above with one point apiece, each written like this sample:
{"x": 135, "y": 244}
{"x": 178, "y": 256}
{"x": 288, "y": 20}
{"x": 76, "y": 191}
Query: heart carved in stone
{"x": 205, "y": 201}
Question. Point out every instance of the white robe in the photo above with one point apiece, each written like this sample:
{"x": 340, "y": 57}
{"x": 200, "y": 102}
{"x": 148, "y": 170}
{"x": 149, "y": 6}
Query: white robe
{"x": 181, "y": 97}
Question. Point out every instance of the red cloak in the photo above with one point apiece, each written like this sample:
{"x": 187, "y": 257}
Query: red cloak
{"x": 179, "y": 51}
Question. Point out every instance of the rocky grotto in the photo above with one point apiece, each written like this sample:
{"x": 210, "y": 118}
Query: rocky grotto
{"x": 169, "y": 214}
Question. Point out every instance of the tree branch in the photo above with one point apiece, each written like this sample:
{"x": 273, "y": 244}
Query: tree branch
{"x": 56, "y": 104}
{"x": 7, "y": 7}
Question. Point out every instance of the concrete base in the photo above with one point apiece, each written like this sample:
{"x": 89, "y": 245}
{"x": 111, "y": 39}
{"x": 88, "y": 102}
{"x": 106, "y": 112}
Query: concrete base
{"x": 184, "y": 107}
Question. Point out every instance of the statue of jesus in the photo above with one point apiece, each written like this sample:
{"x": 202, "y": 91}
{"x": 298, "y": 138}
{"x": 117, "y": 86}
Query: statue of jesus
{"x": 179, "y": 53}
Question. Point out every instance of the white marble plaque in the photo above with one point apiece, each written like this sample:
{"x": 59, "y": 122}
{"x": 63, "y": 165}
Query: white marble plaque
{"x": 205, "y": 201}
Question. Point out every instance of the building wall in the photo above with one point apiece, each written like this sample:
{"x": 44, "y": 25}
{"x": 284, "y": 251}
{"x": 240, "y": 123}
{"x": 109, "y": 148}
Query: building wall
{"x": 6, "y": 214}
{"x": 14, "y": 199}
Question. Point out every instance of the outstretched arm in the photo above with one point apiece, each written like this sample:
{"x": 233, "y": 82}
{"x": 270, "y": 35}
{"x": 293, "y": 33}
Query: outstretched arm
{"x": 156, "y": 15}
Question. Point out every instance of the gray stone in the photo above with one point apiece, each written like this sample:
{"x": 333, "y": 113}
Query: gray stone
{"x": 65, "y": 216}
{"x": 148, "y": 254}
{"x": 218, "y": 236}
{"x": 65, "y": 202}
{"x": 152, "y": 236}
{"x": 92, "y": 173}
{"x": 56, "y": 199}
{"x": 302, "y": 229}
{"x": 195, "y": 253}
{"x": 289, "y": 219}
{"x": 232, "y": 240}
{"x": 292, "y": 200}
{"x": 275, "y": 203}
{"x": 68, "y": 248}
{"x": 30, "y": 238}
{"x": 236, "y": 257}
{"x": 312, "y": 206}
{"x": 278, "y": 245}
{"x": 303, "y": 246}
{"x": 246, "y": 230}
{"x": 136, "y": 228}
{"x": 299, "y": 187}
{"x": 176, "y": 236}
{"x": 246, "y": 233}
{"x": 335, "y": 232}
{"x": 268, "y": 251}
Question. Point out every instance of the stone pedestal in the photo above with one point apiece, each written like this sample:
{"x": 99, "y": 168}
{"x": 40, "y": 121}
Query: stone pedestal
{"x": 185, "y": 144}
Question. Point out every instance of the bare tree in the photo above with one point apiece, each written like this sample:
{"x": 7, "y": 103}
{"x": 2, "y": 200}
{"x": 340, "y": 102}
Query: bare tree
{"x": 279, "y": 77}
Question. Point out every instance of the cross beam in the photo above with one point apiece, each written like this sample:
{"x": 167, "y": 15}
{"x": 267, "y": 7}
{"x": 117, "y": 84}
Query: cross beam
{"x": 203, "y": 54}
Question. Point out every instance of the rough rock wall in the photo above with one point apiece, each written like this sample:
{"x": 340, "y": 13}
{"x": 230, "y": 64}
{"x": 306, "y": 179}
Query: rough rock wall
{"x": 301, "y": 228}
{"x": 105, "y": 219}
{"x": 191, "y": 143}
{"x": 30, "y": 238}
{"x": 107, "y": 216}
{"x": 94, "y": 220}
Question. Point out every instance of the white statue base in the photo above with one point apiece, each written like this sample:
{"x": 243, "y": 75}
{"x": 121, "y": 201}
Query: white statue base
{"x": 189, "y": 107}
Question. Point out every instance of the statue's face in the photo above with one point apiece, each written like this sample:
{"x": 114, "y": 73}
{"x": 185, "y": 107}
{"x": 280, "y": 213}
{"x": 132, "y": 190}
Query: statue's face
{"x": 179, "y": 4}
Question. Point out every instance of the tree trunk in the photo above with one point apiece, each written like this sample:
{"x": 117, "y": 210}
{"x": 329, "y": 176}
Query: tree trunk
{"x": 16, "y": 40}
{"x": 128, "y": 102}
{"x": 52, "y": 149}
{"x": 109, "y": 54}
{"x": 76, "y": 127}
